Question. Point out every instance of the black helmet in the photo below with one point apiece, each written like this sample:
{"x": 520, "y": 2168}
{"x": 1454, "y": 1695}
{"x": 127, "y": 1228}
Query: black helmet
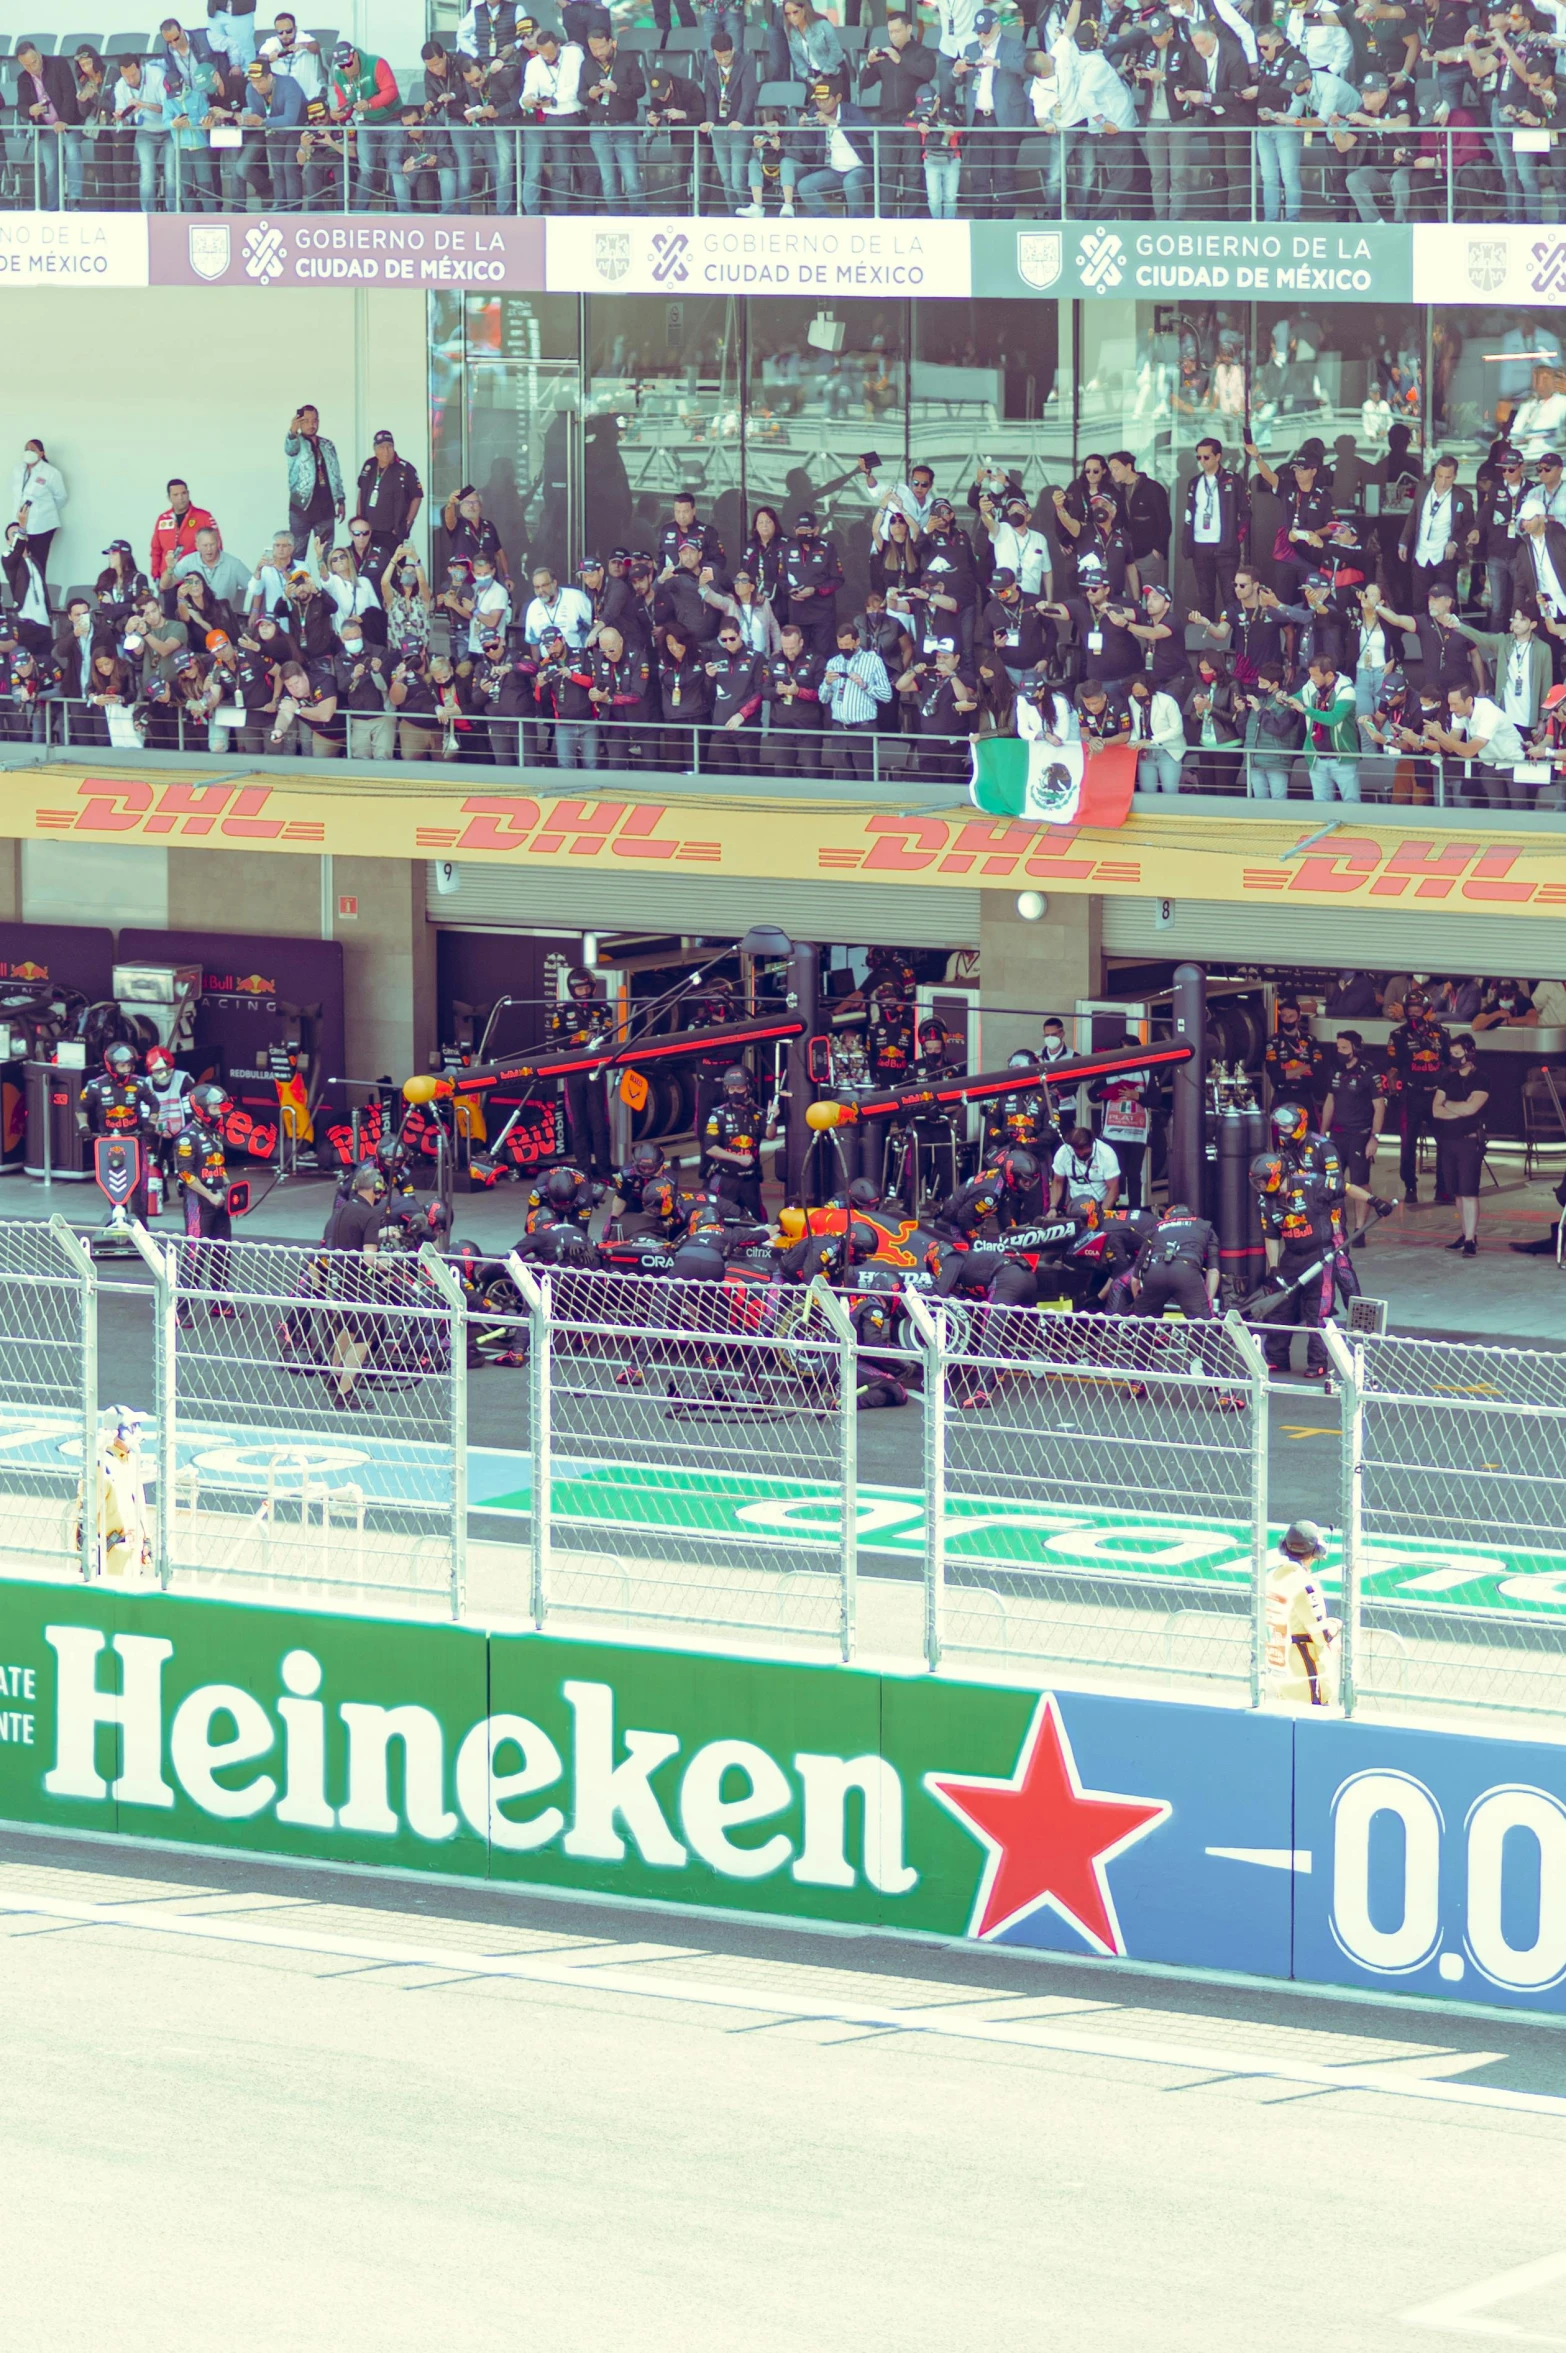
{"x": 211, "y": 1101}
{"x": 863, "y": 1241}
{"x": 647, "y": 1159}
{"x": 933, "y": 1031}
{"x": 1266, "y": 1173}
{"x": 1018, "y": 1169}
{"x": 437, "y": 1220}
{"x": 560, "y": 1187}
{"x": 864, "y": 1193}
{"x": 121, "y": 1059}
{"x": 388, "y": 1152}
{"x": 1023, "y": 1059}
{"x": 736, "y": 1079}
{"x": 578, "y": 980}
{"x": 1290, "y": 1122}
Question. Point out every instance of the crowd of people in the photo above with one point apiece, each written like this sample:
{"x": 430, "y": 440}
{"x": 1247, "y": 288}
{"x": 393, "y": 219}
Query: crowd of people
{"x": 1204, "y": 109}
{"x": 1048, "y": 616}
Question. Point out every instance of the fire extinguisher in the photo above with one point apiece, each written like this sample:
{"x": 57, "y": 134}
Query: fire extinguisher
{"x": 154, "y": 1192}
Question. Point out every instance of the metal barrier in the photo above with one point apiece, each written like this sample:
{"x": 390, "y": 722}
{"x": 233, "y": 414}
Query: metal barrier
{"x": 1183, "y": 172}
{"x": 693, "y": 1453}
{"x": 276, "y": 1365}
{"x": 1037, "y": 1427}
{"x": 1450, "y": 1448}
{"x": 1092, "y": 1495}
{"x": 48, "y": 1421}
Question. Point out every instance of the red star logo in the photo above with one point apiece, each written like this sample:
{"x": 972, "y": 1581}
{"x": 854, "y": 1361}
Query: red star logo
{"x": 1049, "y": 1839}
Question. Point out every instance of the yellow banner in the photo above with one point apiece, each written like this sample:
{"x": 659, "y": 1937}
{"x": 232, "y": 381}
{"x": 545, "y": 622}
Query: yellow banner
{"x": 1372, "y": 857}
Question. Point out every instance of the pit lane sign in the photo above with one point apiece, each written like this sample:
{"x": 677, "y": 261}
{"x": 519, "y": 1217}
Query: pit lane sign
{"x": 1052, "y": 1820}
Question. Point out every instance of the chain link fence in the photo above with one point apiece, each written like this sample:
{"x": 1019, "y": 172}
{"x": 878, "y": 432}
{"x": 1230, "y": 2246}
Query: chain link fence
{"x": 1096, "y": 1492}
{"x": 693, "y": 1453}
{"x": 311, "y": 1418}
{"x": 1453, "y": 1516}
{"x": 49, "y": 1394}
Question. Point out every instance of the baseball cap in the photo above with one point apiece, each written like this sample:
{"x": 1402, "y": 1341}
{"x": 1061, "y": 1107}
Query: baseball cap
{"x": 1318, "y": 579}
{"x": 943, "y": 645}
{"x": 1531, "y": 507}
{"x": 119, "y": 547}
{"x": 1549, "y": 457}
{"x": 619, "y": 555}
{"x": 591, "y": 564}
{"x": 660, "y": 81}
{"x": 806, "y": 520}
{"x": 183, "y": 660}
{"x": 986, "y": 20}
{"x": 383, "y": 435}
{"x": 1002, "y": 577}
{"x": 1507, "y": 456}
{"x": 7, "y": 625}
{"x": 215, "y": 639}
{"x": 344, "y": 54}
{"x": 821, "y": 87}
{"x": 1159, "y": 22}
{"x": 1373, "y": 82}
{"x": 553, "y": 637}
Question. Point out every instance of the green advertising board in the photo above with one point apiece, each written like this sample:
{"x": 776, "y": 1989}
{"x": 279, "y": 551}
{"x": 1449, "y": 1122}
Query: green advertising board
{"x": 1287, "y": 261}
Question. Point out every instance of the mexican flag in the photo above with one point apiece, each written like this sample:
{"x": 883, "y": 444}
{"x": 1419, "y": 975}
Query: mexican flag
{"x": 1052, "y": 783}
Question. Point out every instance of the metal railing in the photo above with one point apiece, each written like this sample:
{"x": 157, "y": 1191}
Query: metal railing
{"x": 1091, "y": 1497}
{"x": 1271, "y": 174}
{"x": 822, "y": 755}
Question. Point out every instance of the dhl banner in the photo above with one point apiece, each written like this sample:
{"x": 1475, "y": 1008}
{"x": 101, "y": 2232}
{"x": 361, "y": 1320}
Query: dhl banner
{"x": 1372, "y": 858}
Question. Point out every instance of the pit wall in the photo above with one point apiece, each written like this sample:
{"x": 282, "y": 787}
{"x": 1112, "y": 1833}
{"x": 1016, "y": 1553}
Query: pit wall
{"x": 1057, "y": 1821}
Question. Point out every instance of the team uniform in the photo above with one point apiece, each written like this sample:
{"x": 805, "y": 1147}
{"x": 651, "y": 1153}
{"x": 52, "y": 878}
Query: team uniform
{"x": 1172, "y": 1268}
{"x": 734, "y": 1125}
{"x": 201, "y": 1169}
{"x": 586, "y": 1022}
{"x": 1416, "y": 1053}
{"x": 1304, "y": 1225}
{"x": 113, "y": 1105}
{"x": 1356, "y": 1089}
{"x": 1293, "y": 1061}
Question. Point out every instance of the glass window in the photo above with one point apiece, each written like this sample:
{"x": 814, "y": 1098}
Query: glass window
{"x": 512, "y": 431}
{"x": 661, "y": 413}
{"x": 826, "y": 386}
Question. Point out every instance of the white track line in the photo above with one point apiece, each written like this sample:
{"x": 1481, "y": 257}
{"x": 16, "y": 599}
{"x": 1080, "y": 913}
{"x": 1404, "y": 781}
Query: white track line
{"x": 1464, "y": 2313}
{"x": 947, "y": 2023}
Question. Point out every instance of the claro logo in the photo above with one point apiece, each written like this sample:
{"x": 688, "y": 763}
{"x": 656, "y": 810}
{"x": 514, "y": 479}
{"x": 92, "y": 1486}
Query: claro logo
{"x": 507, "y": 1779}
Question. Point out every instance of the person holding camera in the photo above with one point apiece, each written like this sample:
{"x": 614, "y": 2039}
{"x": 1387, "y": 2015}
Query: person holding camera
{"x": 363, "y": 672}
{"x": 737, "y": 675}
{"x": 897, "y": 72}
{"x": 410, "y": 693}
{"x": 1273, "y": 731}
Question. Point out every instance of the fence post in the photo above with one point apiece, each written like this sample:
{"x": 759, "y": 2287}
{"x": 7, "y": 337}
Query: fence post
{"x": 1261, "y": 1391}
{"x": 842, "y": 1324}
{"x": 1348, "y": 1362}
{"x": 537, "y": 1295}
{"x": 931, "y": 1325}
{"x": 451, "y": 1291}
{"x": 78, "y": 1259}
{"x": 163, "y": 1264}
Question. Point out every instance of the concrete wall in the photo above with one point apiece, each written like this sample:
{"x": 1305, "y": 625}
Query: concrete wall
{"x": 1031, "y": 969}
{"x": 126, "y": 387}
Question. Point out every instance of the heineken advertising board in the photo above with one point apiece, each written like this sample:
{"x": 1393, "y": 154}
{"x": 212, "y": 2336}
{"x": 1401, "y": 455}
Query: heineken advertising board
{"x": 1054, "y": 1820}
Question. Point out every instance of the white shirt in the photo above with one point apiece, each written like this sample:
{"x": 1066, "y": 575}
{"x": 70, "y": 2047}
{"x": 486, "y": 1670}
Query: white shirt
{"x": 1536, "y": 424}
{"x": 1090, "y": 1179}
{"x": 303, "y": 66}
{"x": 1549, "y": 579}
{"x": 1552, "y": 501}
{"x": 1207, "y": 529}
{"x": 1372, "y": 648}
{"x": 1435, "y": 528}
{"x": 957, "y": 25}
{"x": 1488, "y": 723}
{"x": 1158, "y": 722}
{"x": 1549, "y": 1002}
{"x": 1024, "y": 552}
{"x": 554, "y": 87}
{"x": 568, "y": 610}
{"x": 842, "y": 154}
{"x": 984, "y": 76}
{"x": 43, "y": 486}
{"x": 1089, "y": 87}
{"x": 349, "y": 596}
{"x": 492, "y": 613}
{"x": 1327, "y": 46}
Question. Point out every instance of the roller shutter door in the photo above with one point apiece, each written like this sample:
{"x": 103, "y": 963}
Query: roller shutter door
{"x": 1392, "y": 939}
{"x": 505, "y": 898}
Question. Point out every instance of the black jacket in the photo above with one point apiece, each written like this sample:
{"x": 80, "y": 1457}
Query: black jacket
{"x": 741, "y": 92}
{"x": 1234, "y": 515}
{"x": 59, "y": 81}
{"x": 890, "y": 80}
{"x": 630, "y": 87}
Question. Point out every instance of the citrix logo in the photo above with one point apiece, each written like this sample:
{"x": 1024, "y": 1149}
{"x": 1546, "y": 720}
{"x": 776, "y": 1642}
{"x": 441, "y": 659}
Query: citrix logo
{"x": 726, "y": 1785}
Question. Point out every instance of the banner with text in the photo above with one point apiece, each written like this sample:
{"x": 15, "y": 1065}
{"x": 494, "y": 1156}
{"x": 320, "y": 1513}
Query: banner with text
{"x": 338, "y": 249}
{"x": 1330, "y": 263}
{"x": 1056, "y": 1821}
{"x": 73, "y": 249}
{"x": 1243, "y": 858}
{"x": 1500, "y": 262}
{"x": 811, "y": 255}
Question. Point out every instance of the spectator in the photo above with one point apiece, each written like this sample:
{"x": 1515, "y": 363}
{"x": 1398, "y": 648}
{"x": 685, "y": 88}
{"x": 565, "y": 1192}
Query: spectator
{"x": 390, "y": 495}
{"x": 174, "y": 532}
{"x": 1213, "y": 727}
{"x": 897, "y": 73}
{"x": 793, "y": 696}
{"x": 47, "y": 103}
{"x": 554, "y": 121}
{"x": 1480, "y": 735}
{"x": 613, "y": 87}
{"x": 823, "y": 158}
{"x": 1441, "y": 530}
{"x": 223, "y": 574}
{"x": 1273, "y": 729}
{"x": 682, "y": 529}
{"x": 804, "y": 46}
{"x": 1144, "y": 516}
{"x": 38, "y": 497}
{"x": 363, "y": 96}
{"x": 353, "y": 597}
{"x": 987, "y": 80}
{"x": 492, "y": 113}
{"x": 239, "y": 694}
{"x": 857, "y": 692}
{"x": 405, "y": 594}
{"x": 554, "y": 607}
{"x": 188, "y": 83}
{"x": 1084, "y": 1168}
{"x": 1210, "y": 104}
{"x": 684, "y": 695}
{"x": 751, "y": 613}
{"x": 268, "y": 587}
{"x": 1217, "y": 517}
{"x": 411, "y": 694}
{"x": 736, "y": 673}
{"x": 422, "y": 153}
{"x": 1539, "y": 566}
{"x": 1381, "y": 148}
{"x": 1520, "y": 663}
{"x": 296, "y": 54}
{"x": 1279, "y": 143}
{"x": 1326, "y": 704}
{"x": 445, "y": 103}
{"x": 28, "y": 593}
{"x": 271, "y": 119}
{"x": 814, "y": 574}
{"x": 618, "y": 693}
{"x": 1158, "y": 732}
{"x": 120, "y": 586}
{"x": 728, "y": 93}
{"x": 315, "y": 481}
